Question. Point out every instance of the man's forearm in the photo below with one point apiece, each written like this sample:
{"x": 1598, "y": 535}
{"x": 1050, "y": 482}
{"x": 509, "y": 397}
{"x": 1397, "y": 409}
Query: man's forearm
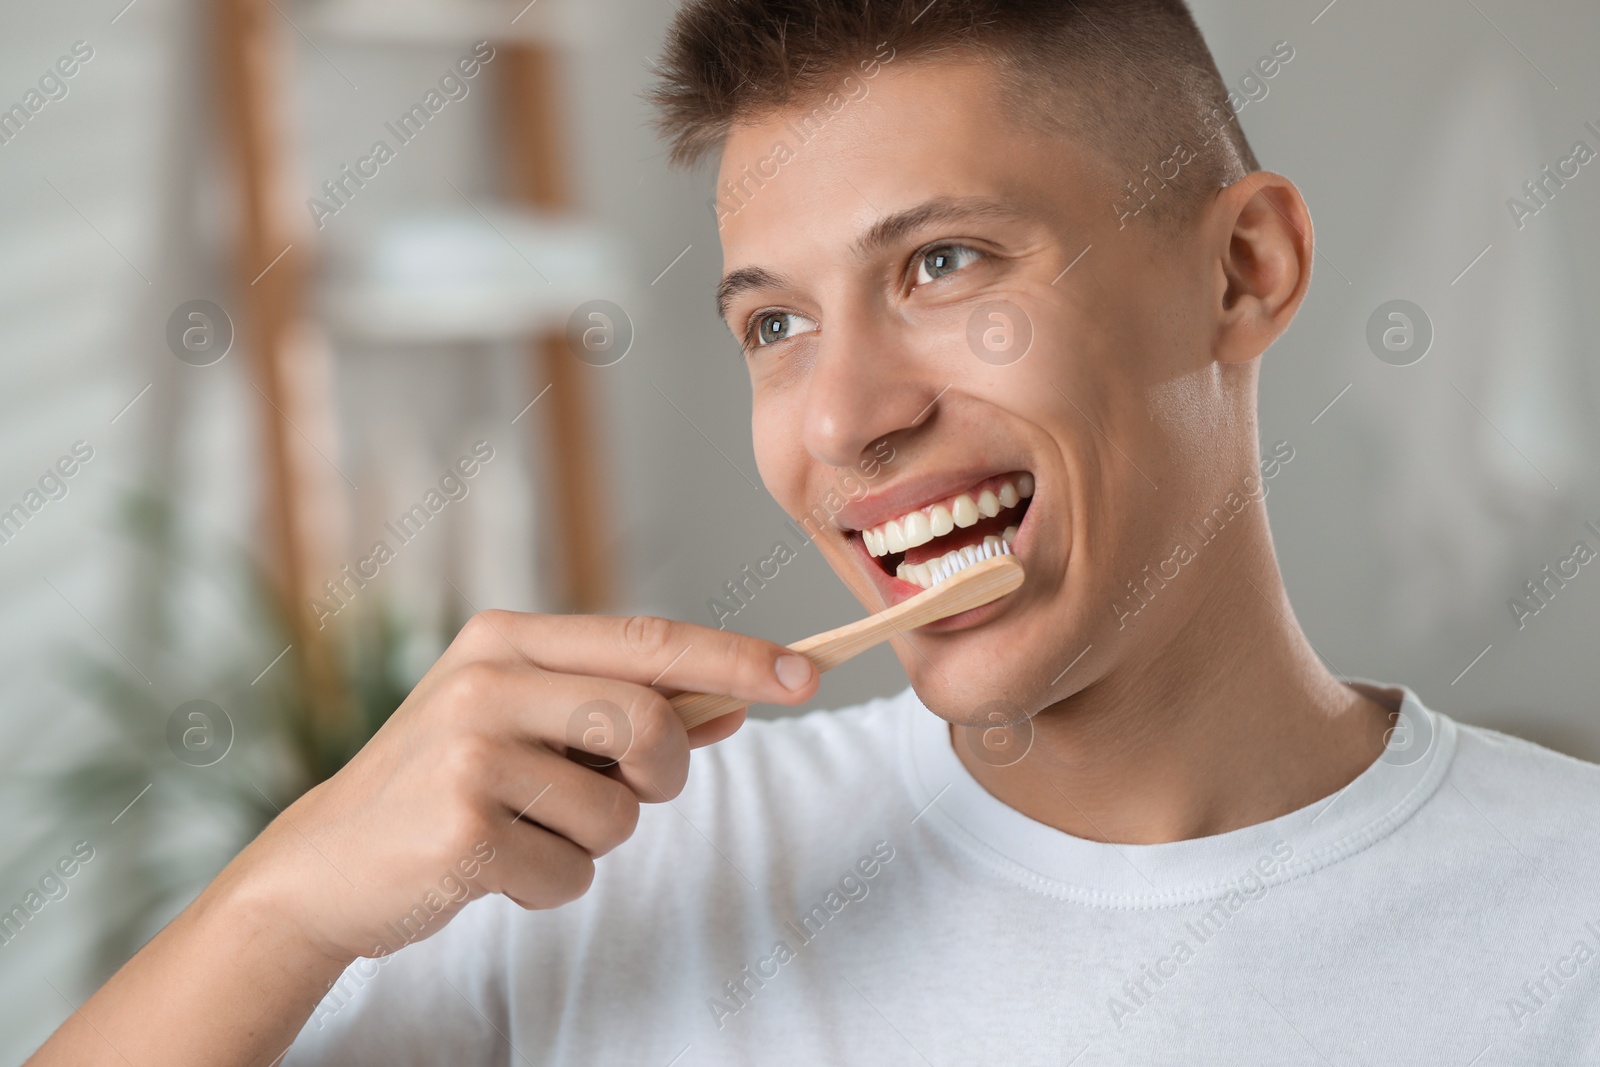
{"x": 226, "y": 982}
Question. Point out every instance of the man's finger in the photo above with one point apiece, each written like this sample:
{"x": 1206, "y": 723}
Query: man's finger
{"x": 627, "y": 731}
{"x": 593, "y": 811}
{"x": 719, "y": 729}
{"x": 649, "y": 651}
{"x": 537, "y": 868}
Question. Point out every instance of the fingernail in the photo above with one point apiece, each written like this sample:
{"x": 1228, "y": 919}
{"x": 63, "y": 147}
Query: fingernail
{"x": 793, "y": 671}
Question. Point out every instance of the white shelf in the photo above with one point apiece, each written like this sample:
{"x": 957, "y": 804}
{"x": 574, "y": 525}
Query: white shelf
{"x": 461, "y": 277}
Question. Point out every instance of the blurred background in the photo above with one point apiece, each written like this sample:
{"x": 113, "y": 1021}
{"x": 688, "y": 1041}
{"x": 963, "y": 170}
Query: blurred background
{"x": 240, "y": 346}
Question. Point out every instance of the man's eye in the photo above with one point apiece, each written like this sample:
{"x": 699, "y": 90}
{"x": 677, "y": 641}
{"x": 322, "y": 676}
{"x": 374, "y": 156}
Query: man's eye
{"x": 773, "y": 326}
{"x": 945, "y": 259}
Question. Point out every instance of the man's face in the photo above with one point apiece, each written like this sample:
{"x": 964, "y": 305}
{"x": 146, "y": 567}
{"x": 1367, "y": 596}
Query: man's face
{"x": 887, "y": 384}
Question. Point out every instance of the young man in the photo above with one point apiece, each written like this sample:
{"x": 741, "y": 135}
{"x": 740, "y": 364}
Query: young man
{"x": 1017, "y": 261}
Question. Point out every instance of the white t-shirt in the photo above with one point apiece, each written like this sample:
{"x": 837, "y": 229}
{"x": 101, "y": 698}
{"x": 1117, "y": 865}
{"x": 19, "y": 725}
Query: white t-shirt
{"x": 837, "y": 889}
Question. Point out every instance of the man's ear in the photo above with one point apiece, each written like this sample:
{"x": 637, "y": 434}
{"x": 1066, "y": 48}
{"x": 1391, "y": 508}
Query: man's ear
{"x": 1264, "y": 244}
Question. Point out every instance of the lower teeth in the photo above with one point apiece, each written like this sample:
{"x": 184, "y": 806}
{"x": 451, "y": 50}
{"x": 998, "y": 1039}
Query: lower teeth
{"x": 929, "y": 574}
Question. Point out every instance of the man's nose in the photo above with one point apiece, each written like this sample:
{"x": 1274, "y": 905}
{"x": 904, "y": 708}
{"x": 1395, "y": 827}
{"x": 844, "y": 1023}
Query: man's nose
{"x": 865, "y": 384}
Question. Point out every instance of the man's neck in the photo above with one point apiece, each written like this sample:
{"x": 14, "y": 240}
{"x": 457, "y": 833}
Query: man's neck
{"x": 1220, "y": 715}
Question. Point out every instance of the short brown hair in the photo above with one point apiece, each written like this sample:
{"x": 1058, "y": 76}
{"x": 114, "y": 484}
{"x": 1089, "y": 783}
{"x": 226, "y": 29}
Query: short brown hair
{"x": 1133, "y": 78}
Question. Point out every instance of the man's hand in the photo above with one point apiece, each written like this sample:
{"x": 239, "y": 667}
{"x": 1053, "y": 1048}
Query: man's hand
{"x": 476, "y": 764}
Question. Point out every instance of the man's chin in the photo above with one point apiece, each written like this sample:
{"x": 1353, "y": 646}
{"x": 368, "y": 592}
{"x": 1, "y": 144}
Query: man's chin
{"x": 976, "y": 677}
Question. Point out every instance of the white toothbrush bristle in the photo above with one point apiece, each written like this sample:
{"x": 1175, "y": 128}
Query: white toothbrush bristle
{"x": 955, "y": 561}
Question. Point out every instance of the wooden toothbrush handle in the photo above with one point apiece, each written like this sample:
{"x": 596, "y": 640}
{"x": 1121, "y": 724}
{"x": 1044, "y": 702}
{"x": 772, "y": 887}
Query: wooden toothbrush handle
{"x": 971, "y": 588}
{"x": 821, "y": 649}
{"x": 696, "y": 708}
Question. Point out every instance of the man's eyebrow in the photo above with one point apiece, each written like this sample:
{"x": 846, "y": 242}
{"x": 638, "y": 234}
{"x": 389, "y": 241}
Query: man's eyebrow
{"x": 885, "y": 232}
{"x": 742, "y": 280}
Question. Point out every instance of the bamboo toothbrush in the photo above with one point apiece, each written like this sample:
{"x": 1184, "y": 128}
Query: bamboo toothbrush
{"x": 976, "y": 585}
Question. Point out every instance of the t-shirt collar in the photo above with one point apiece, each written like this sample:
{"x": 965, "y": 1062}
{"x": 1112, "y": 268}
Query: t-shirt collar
{"x": 952, "y": 803}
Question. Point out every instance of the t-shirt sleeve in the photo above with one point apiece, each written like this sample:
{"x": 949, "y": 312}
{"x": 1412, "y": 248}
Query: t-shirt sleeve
{"x": 442, "y": 1000}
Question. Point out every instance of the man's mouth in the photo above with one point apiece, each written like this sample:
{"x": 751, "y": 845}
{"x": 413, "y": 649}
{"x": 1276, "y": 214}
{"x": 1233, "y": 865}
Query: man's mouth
{"x": 926, "y": 545}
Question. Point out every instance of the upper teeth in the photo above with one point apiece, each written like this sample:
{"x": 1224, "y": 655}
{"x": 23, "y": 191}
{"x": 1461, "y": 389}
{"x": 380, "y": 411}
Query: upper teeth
{"x": 923, "y": 525}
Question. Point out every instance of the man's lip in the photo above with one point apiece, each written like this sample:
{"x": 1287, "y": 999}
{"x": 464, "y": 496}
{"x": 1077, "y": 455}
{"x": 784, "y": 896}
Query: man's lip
{"x": 908, "y": 495}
